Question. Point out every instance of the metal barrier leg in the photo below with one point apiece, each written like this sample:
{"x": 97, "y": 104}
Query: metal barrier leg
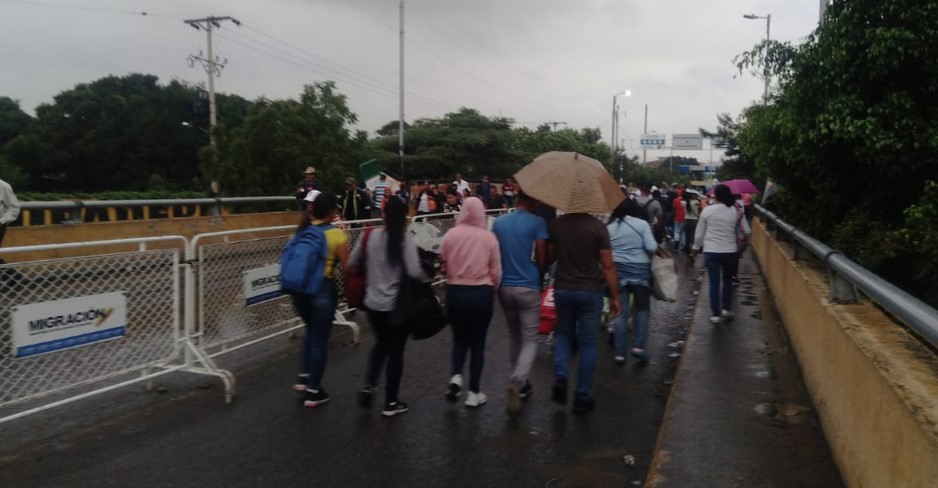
{"x": 209, "y": 368}
{"x": 340, "y": 319}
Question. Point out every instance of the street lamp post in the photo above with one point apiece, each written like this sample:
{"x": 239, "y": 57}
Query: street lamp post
{"x": 765, "y": 68}
{"x": 615, "y": 130}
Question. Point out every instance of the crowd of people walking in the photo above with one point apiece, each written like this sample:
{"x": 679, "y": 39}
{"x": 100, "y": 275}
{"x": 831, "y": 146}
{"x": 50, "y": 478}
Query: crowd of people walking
{"x": 593, "y": 266}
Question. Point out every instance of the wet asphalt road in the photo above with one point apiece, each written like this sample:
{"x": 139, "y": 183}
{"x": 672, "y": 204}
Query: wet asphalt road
{"x": 184, "y": 435}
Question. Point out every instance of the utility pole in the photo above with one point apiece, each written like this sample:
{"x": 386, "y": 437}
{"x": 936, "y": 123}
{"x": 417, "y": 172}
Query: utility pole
{"x": 555, "y": 124}
{"x": 645, "y": 152}
{"x": 213, "y": 66}
{"x": 400, "y": 124}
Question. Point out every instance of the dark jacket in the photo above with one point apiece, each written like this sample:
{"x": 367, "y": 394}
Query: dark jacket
{"x": 355, "y": 205}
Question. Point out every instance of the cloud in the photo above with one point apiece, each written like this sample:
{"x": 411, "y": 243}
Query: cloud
{"x": 532, "y": 60}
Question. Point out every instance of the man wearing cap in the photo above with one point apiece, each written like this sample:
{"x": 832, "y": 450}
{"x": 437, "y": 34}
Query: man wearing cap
{"x": 308, "y": 183}
{"x": 355, "y": 203}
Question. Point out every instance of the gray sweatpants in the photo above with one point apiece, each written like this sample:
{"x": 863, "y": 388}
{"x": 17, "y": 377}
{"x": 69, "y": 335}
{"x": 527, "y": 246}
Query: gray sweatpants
{"x": 522, "y": 307}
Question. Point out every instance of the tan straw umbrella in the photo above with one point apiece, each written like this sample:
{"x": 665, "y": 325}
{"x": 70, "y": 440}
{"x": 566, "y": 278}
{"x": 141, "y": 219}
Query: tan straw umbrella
{"x": 570, "y": 182}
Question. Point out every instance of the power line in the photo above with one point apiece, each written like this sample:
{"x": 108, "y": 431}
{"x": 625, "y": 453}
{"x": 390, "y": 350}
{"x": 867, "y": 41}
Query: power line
{"x": 439, "y": 57}
{"x": 304, "y": 64}
{"x": 93, "y": 9}
{"x": 363, "y": 78}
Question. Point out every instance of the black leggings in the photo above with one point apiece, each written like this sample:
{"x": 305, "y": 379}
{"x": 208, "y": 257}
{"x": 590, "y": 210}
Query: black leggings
{"x": 390, "y": 342}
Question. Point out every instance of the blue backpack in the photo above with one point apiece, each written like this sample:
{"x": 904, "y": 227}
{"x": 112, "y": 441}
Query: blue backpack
{"x": 303, "y": 261}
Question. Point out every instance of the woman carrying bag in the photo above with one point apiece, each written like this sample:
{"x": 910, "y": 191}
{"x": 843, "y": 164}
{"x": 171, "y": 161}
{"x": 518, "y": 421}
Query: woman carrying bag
{"x": 389, "y": 255}
{"x": 632, "y": 246}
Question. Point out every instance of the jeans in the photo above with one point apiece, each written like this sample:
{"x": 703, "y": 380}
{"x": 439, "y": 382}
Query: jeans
{"x": 678, "y": 234}
{"x": 522, "y": 307}
{"x": 720, "y": 265}
{"x": 470, "y": 311}
{"x": 578, "y": 313}
{"x": 690, "y": 228}
{"x": 318, "y": 313}
{"x": 642, "y": 313}
{"x": 389, "y": 344}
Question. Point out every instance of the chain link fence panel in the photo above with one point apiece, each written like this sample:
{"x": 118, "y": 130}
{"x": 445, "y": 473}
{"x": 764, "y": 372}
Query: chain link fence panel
{"x": 150, "y": 284}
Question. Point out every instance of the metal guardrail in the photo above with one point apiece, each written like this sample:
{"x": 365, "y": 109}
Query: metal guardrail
{"x": 846, "y": 277}
{"x": 78, "y": 204}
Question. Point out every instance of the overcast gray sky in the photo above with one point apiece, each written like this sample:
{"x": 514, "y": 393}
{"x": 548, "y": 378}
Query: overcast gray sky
{"x": 531, "y": 60}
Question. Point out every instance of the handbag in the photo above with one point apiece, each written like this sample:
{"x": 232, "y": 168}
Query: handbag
{"x": 742, "y": 240}
{"x": 355, "y": 278}
{"x": 418, "y": 308}
{"x": 663, "y": 276}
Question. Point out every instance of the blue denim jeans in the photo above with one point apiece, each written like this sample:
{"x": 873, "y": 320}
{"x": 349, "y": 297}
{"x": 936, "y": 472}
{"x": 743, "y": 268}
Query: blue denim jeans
{"x": 642, "y": 297}
{"x": 318, "y": 313}
{"x": 678, "y": 234}
{"x": 578, "y": 312}
{"x": 470, "y": 311}
{"x": 720, "y": 266}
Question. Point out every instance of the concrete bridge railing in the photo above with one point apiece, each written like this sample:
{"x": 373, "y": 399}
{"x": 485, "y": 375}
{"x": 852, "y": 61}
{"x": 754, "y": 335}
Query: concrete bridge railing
{"x": 873, "y": 380}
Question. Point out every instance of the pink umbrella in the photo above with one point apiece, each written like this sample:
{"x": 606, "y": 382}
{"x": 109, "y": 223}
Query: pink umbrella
{"x": 737, "y": 186}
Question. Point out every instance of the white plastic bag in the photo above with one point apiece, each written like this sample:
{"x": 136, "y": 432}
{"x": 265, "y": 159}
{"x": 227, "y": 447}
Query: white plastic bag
{"x": 663, "y": 278}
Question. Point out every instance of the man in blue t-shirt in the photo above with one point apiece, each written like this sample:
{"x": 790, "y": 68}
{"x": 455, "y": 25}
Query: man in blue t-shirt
{"x": 522, "y": 237}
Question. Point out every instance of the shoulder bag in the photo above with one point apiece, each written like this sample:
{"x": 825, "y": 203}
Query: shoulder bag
{"x": 355, "y": 278}
{"x": 417, "y": 308}
{"x": 742, "y": 240}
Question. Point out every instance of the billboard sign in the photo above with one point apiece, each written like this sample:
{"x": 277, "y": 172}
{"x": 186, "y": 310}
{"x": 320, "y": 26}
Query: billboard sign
{"x": 652, "y": 141}
{"x": 687, "y": 142}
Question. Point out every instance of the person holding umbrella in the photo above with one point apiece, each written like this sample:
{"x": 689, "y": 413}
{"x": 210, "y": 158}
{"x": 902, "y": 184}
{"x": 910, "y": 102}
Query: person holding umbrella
{"x": 580, "y": 245}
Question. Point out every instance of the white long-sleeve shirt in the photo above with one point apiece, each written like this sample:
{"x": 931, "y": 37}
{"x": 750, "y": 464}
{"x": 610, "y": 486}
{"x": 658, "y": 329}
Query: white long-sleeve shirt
{"x": 9, "y": 205}
{"x": 716, "y": 229}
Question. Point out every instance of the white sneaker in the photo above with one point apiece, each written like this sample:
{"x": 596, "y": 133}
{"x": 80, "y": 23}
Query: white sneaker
{"x": 716, "y": 320}
{"x": 474, "y": 399}
{"x": 728, "y": 315}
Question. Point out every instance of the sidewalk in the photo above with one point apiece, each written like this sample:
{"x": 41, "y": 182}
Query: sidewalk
{"x": 738, "y": 415}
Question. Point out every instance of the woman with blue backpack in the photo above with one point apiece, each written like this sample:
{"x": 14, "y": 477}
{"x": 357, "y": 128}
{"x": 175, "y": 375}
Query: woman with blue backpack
{"x": 317, "y": 243}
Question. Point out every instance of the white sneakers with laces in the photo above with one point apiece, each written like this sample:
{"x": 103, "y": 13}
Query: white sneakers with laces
{"x": 474, "y": 399}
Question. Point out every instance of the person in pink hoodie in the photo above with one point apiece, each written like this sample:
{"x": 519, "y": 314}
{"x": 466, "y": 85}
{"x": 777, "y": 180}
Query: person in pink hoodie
{"x": 470, "y": 257}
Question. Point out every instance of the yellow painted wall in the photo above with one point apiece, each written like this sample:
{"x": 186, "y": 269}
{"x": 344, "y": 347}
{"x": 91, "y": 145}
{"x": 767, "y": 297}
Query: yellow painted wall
{"x": 874, "y": 385}
{"x": 187, "y": 227}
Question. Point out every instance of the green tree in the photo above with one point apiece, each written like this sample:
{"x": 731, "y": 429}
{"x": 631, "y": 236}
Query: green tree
{"x": 13, "y": 120}
{"x": 736, "y": 164}
{"x": 115, "y": 133}
{"x": 463, "y": 141}
{"x": 281, "y": 137}
{"x": 852, "y": 129}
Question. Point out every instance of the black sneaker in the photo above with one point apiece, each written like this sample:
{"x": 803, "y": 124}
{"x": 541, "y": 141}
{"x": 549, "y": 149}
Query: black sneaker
{"x": 525, "y": 390}
{"x": 315, "y": 398}
{"x": 393, "y": 408}
{"x": 366, "y": 396}
{"x": 299, "y": 384}
{"x": 583, "y": 406}
{"x": 558, "y": 393}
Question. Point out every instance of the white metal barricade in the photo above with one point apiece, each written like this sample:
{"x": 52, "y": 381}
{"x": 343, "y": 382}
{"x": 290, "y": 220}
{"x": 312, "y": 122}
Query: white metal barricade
{"x": 237, "y": 291}
{"x": 79, "y": 326}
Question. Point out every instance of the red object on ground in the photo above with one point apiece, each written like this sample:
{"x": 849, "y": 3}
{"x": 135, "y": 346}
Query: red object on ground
{"x": 548, "y": 312}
